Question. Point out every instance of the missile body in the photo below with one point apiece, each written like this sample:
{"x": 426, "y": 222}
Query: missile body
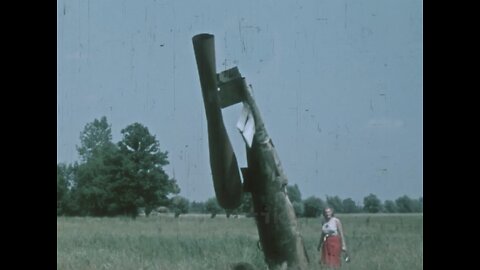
{"x": 275, "y": 218}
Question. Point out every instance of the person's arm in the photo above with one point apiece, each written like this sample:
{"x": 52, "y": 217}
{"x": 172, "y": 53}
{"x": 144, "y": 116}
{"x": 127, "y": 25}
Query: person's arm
{"x": 322, "y": 237}
{"x": 342, "y": 235}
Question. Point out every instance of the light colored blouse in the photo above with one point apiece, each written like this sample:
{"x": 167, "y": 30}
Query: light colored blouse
{"x": 330, "y": 227}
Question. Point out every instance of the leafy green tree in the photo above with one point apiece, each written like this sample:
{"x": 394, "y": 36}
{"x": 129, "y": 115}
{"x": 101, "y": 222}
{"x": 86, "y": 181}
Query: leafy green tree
{"x": 349, "y": 206}
{"x": 120, "y": 179}
{"x": 212, "y": 207}
{"x": 403, "y": 204}
{"x": 197, "y": 207}
{"x": 420, "y": 200}
{"x": 94, "y": 137}
{"x": 71, "y": 205}
{"x": 66, "y": 187}
{"x": 298, "y": 208}
{"x": 96, "y": 178}
{"x": 313, "y": 206}
{"x": 390, "y": 206}
{"x": 144, "y": 182}
{"x": 179, "y": 205}
{"x": 62, "y": 188}
{"x": 372, "y": 204}
{"x": 336, "y": 203}
{"x": 417, "y": 206}
{"x": 407, "y": 205}
{"x": 294, "y": 194}
{"x": 90, "y": 191}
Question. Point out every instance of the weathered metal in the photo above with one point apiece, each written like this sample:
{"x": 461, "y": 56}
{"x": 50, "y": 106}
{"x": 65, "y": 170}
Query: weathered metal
{"x": 225, "y": 172}
{"x": 280, "y": 238}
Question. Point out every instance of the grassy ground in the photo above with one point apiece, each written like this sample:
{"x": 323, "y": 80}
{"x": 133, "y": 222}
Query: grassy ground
{"x": 198, "y": 242}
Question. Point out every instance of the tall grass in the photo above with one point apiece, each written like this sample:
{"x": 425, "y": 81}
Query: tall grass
{"x": 390, "y": 242}
{"x": 199, "y": 242}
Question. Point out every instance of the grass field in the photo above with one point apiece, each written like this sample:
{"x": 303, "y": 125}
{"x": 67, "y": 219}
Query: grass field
{"x": 198, "y": 242}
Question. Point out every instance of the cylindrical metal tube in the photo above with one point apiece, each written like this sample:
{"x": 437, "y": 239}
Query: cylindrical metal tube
{"x": 225, "y": 171}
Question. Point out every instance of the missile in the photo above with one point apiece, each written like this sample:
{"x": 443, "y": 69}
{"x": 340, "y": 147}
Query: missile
{"x": 264, "y": 177}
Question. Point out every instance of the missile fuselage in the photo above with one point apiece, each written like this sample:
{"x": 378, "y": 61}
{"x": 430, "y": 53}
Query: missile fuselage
{"x": 264, "y": 178}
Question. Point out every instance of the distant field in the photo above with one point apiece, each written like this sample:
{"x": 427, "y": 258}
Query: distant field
{"x": 384, "y": 241}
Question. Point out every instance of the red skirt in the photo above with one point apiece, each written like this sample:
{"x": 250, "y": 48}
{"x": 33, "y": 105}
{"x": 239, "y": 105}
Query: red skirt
{"x": 331, "y": 252}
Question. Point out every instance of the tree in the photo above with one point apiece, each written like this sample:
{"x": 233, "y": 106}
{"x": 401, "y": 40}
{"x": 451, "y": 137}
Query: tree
{"x": 120, "y": 179}
{"x": 94, "y": 137}
{"x": 294, "y": 194}
{"x": 407, "y": 205}
{"x": 417, "y": 205}
{"x": 336, "y": 203}
{"x": 62, "y": 188}
{"x": 71, "y": 206}
{"x": 390, "y": 206}
{"x": 298, "y": 208}
{"x": 144, "y": 183}
{"x": 66, "y": 189}
{"x": 313, "y": 206}
{"x": 93, "y": 178}
{"x": 212, "y": 207}
{"x": 372, "y": 204}
{"x": 349, "y": 206}
{"x": 197, "y": 207}
{"x": 179, "y": 205}
{"x": 403, "y": 204}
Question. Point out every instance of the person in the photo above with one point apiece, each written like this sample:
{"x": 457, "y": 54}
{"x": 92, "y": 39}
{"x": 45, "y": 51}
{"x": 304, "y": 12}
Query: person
{"x": 332, "y": 240}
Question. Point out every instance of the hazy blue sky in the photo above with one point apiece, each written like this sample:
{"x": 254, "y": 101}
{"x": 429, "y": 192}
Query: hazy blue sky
{"x": 339, "y": 85}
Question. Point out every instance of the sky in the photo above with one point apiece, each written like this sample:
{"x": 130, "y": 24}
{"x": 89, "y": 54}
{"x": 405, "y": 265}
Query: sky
{"x": 339, "y": 85}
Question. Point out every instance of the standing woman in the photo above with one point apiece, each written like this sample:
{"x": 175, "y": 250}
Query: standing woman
{"x": 332, "y": 241}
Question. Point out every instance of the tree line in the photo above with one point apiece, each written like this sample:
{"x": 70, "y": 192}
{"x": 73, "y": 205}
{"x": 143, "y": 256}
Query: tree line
{"x": 313, "y": 206}
{"x": 127, "y": 178}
